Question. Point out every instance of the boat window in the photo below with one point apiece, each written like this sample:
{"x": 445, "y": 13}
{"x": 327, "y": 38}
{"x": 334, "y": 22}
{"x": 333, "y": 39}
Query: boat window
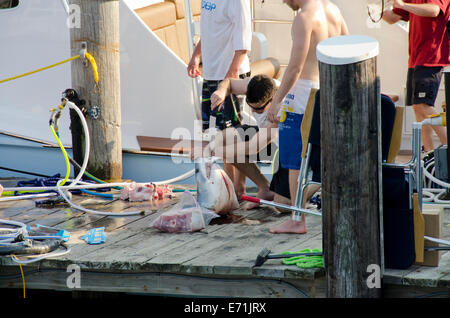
{"x": 7, "y": 4}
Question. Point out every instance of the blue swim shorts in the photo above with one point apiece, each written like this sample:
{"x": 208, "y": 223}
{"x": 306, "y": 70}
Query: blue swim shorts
{"x": 290, "y": 141}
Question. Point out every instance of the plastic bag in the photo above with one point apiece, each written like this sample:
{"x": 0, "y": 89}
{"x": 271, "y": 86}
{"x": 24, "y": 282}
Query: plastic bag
{"x": 185, "y": 216}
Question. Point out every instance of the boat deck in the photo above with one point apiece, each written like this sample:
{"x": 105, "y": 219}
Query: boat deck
{"x": 215, "y": 262}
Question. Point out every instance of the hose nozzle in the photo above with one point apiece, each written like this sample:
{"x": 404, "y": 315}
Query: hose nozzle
{"x": 436, "y": 120}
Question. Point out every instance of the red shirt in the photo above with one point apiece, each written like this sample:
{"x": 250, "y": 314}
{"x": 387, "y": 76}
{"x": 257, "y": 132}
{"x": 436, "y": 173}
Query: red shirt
{"x": 428, "y": 38}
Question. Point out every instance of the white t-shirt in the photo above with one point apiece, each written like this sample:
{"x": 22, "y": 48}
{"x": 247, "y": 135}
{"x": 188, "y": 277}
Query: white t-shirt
{"x": 262, "y": 122}
{"x": 261, "y": 119}
{"x": 225, "y": 27}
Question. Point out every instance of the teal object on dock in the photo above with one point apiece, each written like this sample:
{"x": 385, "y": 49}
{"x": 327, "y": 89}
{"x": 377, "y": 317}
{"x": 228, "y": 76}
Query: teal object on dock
{"x": 95, "y": 236}
{"x": 50, "y": 231}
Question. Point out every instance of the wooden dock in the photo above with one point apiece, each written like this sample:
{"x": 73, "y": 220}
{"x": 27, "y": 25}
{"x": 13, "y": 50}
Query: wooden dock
{"x": 215, "y": 262}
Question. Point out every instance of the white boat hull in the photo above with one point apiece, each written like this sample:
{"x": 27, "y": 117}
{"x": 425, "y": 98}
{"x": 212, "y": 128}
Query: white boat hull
{"x": 139, "y": 166}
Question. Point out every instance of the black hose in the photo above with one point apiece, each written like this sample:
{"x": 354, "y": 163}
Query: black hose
{"x": 25, "y": 172}
{"x": 35, "y": 247}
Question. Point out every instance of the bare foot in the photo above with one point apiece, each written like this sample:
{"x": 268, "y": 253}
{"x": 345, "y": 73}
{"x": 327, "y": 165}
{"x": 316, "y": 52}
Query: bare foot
{"x": 290, "y": 226}
{"x": 265, "y": 194}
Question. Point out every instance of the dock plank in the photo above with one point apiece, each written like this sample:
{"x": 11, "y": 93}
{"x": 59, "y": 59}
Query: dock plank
{"x": 238, "y": 255}
{"x": 10, "y": 209}
{"x": 160, "y": 284}
{"x": 219, "y": 259}
{"x": 146, "y": 244}
{"x": 191, "y": 245}
{"x": 429, "y": 276}
{"x": 86, "y": 221}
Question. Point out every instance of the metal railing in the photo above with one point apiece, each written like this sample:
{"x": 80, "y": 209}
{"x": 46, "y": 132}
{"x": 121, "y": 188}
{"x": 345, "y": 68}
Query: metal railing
{"x": 267, "y": 21}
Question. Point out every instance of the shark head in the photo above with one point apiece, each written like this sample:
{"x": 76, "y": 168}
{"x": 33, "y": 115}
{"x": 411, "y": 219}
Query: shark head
{"x": 215, "y": 191}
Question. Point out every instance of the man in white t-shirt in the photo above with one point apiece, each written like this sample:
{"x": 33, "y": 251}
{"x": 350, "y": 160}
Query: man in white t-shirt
{"x": 225, "y": 39}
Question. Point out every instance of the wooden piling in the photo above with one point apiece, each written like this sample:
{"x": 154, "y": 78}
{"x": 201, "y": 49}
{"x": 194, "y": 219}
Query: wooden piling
{"x": 351, "y": 165}
{"x": 99, "y": 28}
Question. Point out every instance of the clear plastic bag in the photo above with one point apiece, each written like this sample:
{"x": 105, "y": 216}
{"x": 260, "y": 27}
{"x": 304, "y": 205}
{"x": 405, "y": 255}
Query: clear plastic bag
{"x": 185, "y": 216}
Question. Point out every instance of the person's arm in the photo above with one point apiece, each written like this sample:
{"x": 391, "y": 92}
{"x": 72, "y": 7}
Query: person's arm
{"x": 429, "y": 10}
{"x": 238, "y": 58}
{"x": 226, "y": 87}
{"x": 301, "y": 34}
{"x": 231, "y": 150}
{"x": 226, "y": 146}
{"x": 390, "y": 17}
{"x": 193, "y": 67}
{"x": 239, "y": 13}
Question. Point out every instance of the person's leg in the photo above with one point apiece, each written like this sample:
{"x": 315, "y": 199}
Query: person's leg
{"x": 292, "y": 226}
{"x": 239, "y": 182}
{"x": 421, "y": 112}
{"x": 422, "y": 89}
{"x": 206, "y": 103}
{"x": 229, "y": 170}
{"x": 252, "y": 171}
{"x": 290, "y": 148}
{"x": 310, "y": 190}
{"x": 283, "y": 200}
{"x": 279, "y": 185}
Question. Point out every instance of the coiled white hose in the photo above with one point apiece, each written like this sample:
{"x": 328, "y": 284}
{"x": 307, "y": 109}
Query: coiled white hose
{"x": 87, "y": 141}
{"x": 434, "y": 195}
{"x": 87, "y": 185}
{"x": 77, "y": 184}
{"x": 21, "y": 229}
{"x": 28, "y": 196}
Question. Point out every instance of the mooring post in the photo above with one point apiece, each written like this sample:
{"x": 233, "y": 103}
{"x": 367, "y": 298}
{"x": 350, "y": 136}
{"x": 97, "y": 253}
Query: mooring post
{"x": 99, "y": 29}
{"x": 351, "y": 165}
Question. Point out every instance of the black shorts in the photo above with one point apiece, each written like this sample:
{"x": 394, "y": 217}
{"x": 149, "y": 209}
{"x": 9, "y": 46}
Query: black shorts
{"x": 229, "y": 115}
{"x": 422, "y": 85}
{"x": 280, "y": 180}
{"x": 314, "y": 163}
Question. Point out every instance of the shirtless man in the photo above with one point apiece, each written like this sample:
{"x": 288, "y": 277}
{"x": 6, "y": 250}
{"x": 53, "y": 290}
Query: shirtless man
{"x": 316, "y": 20}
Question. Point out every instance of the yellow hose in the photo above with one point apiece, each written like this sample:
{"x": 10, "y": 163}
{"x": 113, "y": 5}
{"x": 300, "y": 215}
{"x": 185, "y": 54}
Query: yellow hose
{"x": 93, "y": 64}
{"x": 64, "y": 153}
{"x": 11, "y": 193}
{"x": 23, "y": 277}
{"x": 96, "y": 78}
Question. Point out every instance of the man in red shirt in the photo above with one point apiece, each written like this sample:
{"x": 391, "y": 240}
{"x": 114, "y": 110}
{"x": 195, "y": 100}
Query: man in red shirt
{"x": 428, "y": 54}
